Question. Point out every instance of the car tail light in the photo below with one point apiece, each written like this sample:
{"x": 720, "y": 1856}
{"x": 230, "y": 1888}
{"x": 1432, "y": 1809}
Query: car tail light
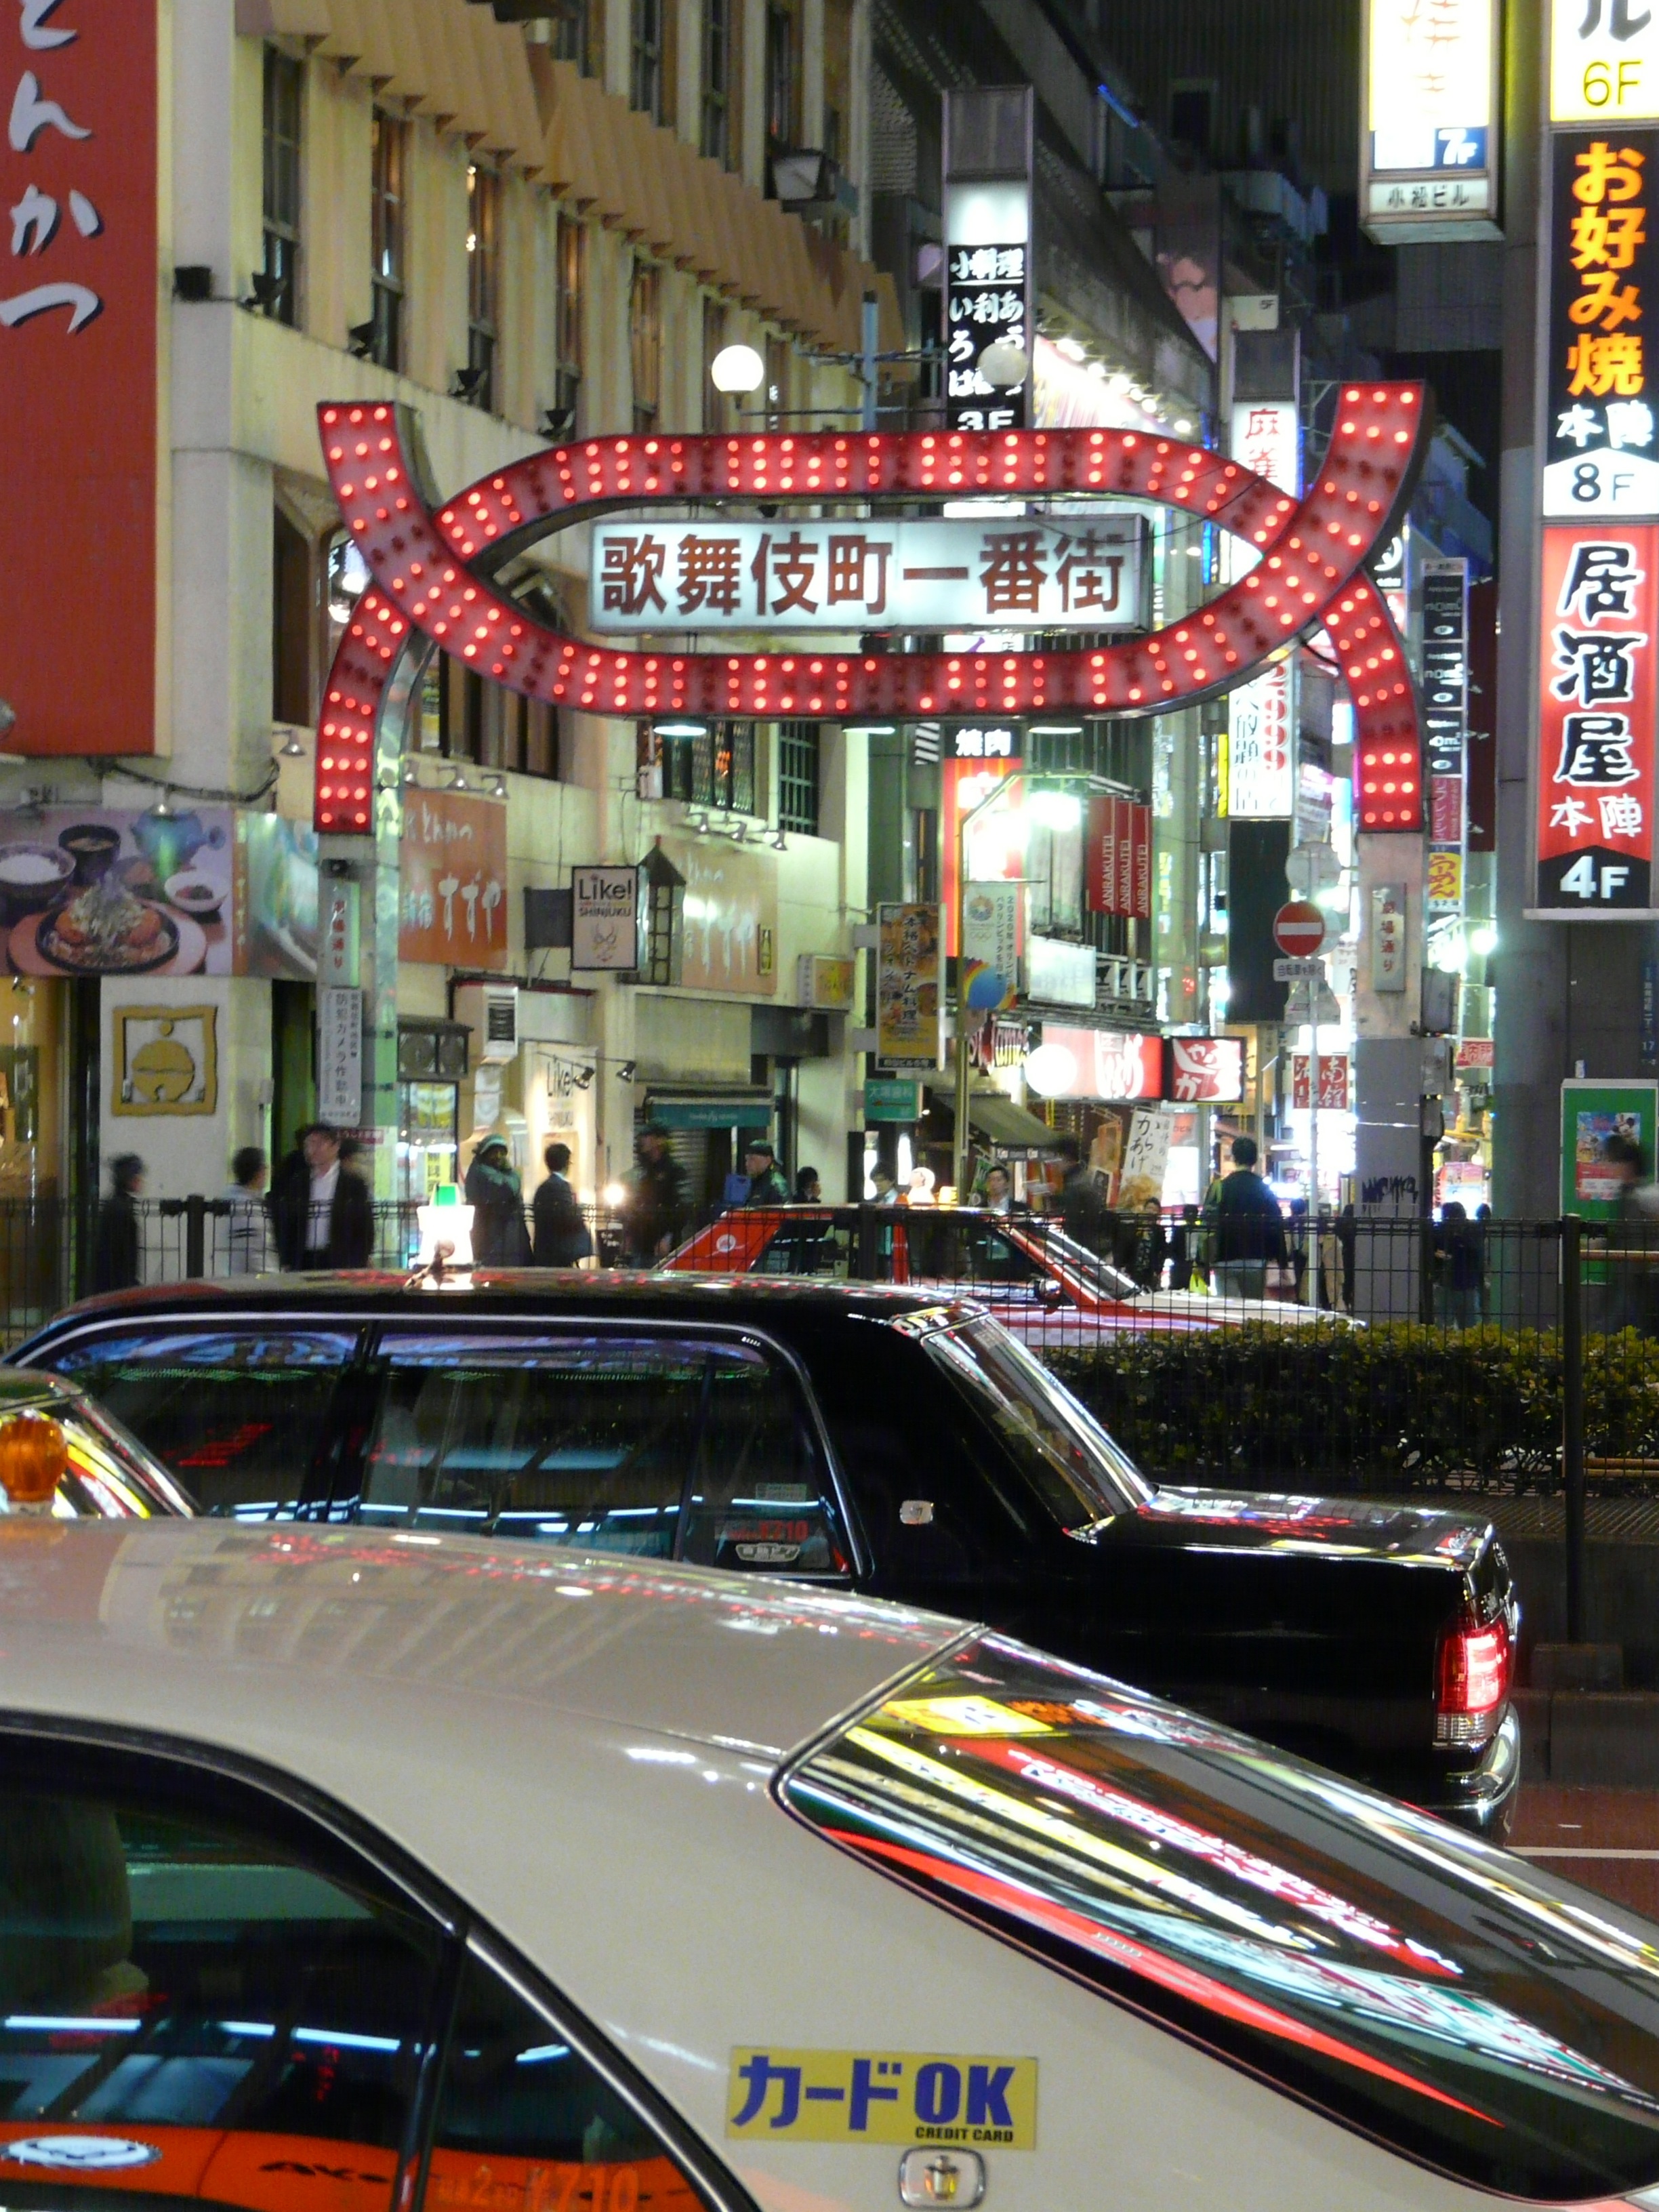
{"x": 1473, "y": 1683}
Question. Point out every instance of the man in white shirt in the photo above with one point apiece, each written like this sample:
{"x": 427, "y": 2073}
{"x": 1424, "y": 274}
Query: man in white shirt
{"x": 322, "y": 1152}
{"x": 321, "y": 1211}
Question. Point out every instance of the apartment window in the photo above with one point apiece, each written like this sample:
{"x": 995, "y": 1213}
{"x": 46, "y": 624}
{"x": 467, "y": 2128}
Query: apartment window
{"x": 570, "y": 34}
{"x": 284, "y": 102}
{"x": 717, "y": 405}
{"x": 483, "y": 205}
{"x": 389, "y": 157}
{"x": 720, "y": 48}
{"x": 777, "y": 380}
{"x": 293, "y": 621}
{"x": 783, "y": 62}
{"x": 645, "y": 344}
{"x": 645, "y": 82}
{"x": 798, "y": 777}
{"x": 716, "y": 770}
{"x": 572, "y": 271}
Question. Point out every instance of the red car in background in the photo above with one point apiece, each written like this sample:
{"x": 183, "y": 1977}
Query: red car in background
{"x": 1038, "y": 1282}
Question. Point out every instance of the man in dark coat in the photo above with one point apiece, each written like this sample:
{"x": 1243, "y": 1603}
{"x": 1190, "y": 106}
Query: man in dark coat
{"x": 496, "y": 1197}
{"x": 115, "y": 1256}
{"x": 1083, "y": 1210}
{"x": 320, "y": 1209}
{"x": 560, "y": 1236}
{"x": 1249, "y": 1229}
{"x": 766, "y": 1184}
{"x": 653, "y": 1211}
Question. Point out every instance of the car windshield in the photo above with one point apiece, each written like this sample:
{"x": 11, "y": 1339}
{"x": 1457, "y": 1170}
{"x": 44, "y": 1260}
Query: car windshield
{"x": 1407, "y": 1980}
{"x": 1076, "y": 1469}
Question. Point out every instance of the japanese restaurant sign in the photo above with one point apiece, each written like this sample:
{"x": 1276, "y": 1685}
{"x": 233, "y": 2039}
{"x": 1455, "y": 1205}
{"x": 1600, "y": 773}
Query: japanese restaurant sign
{"x": 1600, "y": 455}
{"x": 1598, "y": 621}
{"x": 452, "y": 880}
{"x": 1006, "y": 572}
{"x": 78, "y": 321}
{"x": 1199, "y": 1070}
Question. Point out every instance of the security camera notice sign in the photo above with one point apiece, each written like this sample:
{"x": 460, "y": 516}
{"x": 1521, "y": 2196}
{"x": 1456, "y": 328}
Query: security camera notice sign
{"x": 883, "y": 2097}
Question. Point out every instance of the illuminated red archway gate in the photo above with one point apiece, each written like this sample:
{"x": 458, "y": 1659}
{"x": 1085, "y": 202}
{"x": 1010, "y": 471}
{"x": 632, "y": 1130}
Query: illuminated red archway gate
{"x": 431, "y": 567}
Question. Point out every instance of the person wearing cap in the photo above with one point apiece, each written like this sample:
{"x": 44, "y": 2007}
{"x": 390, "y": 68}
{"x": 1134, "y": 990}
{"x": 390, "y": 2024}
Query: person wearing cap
{"x": 500, "y": 1238}
{"x": 320, "y": 1210}
{"x": 653, "y": 1210}
{"x": 766, "y": 1184}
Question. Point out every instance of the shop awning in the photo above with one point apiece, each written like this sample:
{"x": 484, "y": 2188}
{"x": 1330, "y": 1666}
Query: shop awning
{"x": 996, "y": 1116}
{"x": 709, "y": 1109}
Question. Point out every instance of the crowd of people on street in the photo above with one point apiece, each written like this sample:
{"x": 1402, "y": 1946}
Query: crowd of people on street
{"x": 316, "y": 1211}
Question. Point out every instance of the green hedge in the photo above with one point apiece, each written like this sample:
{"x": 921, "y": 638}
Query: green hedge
{"x": 1398, "y": 1407}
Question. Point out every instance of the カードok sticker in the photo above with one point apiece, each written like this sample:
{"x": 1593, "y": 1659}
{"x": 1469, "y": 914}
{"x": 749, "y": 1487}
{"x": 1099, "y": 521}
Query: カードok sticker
{"x": 883, "y": 2097}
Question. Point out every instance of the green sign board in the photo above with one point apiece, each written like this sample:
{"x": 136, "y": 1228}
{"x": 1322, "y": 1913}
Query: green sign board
{"x": 710, "y": 1113}
{"x": 892, "y": 1098}
{"x": 1591, "y": 1113}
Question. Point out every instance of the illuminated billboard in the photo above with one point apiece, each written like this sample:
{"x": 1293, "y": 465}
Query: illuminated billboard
{"x": 1428, "y": 120}
{"x": 1604, "y": 61}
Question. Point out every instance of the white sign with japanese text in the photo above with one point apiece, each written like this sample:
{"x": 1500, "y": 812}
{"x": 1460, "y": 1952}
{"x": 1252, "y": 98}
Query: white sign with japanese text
{"x": 1604, "y": 62}
{"x": 1259, "y": 787}
{"x": 340, "y": 1056}
{"x": 1015, "y": 572}
{"x": 1266, "y": 439}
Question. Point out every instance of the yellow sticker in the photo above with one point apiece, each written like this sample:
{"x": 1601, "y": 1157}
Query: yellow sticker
{"x": 963, "y": 1715}
{"x": 883, "y": 2097}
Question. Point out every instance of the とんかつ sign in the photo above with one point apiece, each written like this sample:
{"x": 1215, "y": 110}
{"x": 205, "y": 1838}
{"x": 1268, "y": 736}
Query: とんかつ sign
{"x": 1013, "y": 572}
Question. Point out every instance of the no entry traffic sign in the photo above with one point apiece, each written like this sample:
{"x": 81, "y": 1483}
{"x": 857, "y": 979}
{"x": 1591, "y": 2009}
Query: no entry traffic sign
{"x": 1299, "y": 929}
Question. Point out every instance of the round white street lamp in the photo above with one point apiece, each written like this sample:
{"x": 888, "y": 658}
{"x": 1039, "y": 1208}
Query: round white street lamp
{"x": 737, "y": 368}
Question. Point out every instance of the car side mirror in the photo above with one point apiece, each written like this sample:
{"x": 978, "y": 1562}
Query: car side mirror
{"x": 1052, "y": 1294}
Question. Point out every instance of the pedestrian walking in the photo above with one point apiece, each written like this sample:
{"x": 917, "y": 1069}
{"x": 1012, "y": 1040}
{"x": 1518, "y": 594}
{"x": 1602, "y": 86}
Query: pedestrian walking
{"x": 998, "y": 1194}
{"x": 653, "y": 1204}
{"x": 560, "y": 1234}
{"x": 320, "y": 1210}
{"x": 245, "y": 1225}
{"x": 1457, "y": 1267}
{"x": 1248, "y": 1227}
{"x": 1347, "y": 1237}
{"x": 1083, "y": 1211}
{"x": 116, "y": 1248}
{"x": 1150, "y": 1247}
{"x": 496, "y": 1196}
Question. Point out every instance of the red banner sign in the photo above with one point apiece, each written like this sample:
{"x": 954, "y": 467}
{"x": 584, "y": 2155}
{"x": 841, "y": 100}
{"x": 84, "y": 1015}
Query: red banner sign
{"x": 1119, "y": 871}
{"x": 452, "y": 887}
{"x": 1333, "y": 1082}
{"x": 78, "y": 307}
{"x": 1203, "y": 1070}
{"x": 1598, "y": 621}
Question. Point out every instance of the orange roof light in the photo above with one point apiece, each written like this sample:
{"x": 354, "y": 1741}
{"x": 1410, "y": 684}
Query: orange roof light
{"x": 33, "y": 1456}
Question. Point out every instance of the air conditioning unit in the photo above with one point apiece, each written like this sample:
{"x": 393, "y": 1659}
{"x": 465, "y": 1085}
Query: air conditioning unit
{"x": 501, "y": 1023}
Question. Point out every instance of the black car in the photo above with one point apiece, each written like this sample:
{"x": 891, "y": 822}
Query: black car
{"x": 909, "y": 1447}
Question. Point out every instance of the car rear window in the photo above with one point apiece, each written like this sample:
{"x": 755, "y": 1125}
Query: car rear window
{"x": 661, "y": 1446}
{"x": 1408, "y": 1981}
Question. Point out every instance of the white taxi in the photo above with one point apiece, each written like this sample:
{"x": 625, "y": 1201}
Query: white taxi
{"x": 346, "y": 1870}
